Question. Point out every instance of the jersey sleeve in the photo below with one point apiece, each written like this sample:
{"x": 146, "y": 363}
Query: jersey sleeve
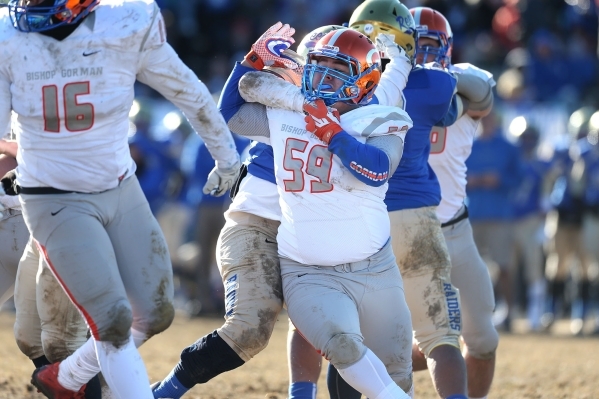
{"x": 162, "y": 69}
{"x": 472, "y": 70}
{"x": 391, "y": 86}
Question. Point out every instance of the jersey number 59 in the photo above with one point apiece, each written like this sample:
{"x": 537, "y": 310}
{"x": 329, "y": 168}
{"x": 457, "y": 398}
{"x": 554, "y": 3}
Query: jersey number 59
{"x": 77, "y": 116}
{"x": 318, "y": 165}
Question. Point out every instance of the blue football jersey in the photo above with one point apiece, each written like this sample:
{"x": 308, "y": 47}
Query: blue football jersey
{"x": 430, "y": 102}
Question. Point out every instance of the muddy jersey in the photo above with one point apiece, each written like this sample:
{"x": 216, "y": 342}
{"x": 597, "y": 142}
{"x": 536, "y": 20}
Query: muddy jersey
{"x": 73, "y": 96}
{"x": 450, "y": 147}
{"x": 329, "y": 217}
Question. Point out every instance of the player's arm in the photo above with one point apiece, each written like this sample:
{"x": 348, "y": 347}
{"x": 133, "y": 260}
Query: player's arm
{"x": 395, "y": 77}
{"x": 270, "y": 90}
{"x": 478, "y": 94}
{"x": 246, "y": 119}
{"x": 372, "y": 162}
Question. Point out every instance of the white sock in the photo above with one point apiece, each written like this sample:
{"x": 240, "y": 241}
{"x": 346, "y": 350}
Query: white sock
{"x": 124, "y": 370}
{"x": 369, "y": 376}
{"x": 80, "y": 367}
{"x": 138, "y": 337}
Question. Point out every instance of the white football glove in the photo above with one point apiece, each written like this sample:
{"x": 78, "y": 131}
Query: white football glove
{"x": 389, "y": 49}
{"x": 220, "y": 180}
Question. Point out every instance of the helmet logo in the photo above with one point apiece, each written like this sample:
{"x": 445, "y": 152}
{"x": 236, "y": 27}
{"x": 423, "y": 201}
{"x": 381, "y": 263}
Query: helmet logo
{"x": 318, "y": 35}
{"x": 330, "y": 48}
{"x": 404, "y": 23}
{"x": 368, "y": 29}
{"x": 276, "y": 46}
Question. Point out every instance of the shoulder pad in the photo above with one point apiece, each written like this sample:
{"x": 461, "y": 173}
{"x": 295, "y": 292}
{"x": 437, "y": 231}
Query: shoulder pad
{"x": 473, "y": 70}
{"x": 376, "y": 120}
{"x": 6, "y": 29}
{"x": 134, "y": 25}
{"x": 434, "y": 65}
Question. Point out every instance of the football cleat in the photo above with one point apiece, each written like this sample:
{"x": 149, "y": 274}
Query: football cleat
{"x": 45, "y": 379}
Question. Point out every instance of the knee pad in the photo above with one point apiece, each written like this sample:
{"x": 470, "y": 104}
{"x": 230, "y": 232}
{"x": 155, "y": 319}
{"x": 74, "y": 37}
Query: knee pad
{"x": 483, "y": 344}
{"x": 343, "y": 350}
{"x": 161, "y": 318}
{"x": 29, "y": 349}
{"x": 117, "y": 325}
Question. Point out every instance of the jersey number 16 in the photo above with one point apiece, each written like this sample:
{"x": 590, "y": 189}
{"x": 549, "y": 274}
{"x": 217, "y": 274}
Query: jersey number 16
{"x": 77, "y": 116}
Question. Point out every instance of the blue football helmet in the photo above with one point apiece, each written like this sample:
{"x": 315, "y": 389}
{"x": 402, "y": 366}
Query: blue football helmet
{"x": 362, "y": 58}
{"x": 48, "y": 14}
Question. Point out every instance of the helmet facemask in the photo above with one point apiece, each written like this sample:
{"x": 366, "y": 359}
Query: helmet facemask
{"x": 347, "y": 92}
{"x": 47, "y": 14}
{"x": 441, "y": 54}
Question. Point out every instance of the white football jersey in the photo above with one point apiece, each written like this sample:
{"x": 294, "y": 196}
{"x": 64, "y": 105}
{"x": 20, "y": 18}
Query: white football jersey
{"x": 258, "y": 197}
{"x": 329, "y": 217}
{"x": 73, "y": 96}
{"x": 450, "y": 147}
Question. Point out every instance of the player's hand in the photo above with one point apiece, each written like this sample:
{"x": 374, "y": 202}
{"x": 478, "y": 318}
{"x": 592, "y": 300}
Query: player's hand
{"x": 220, "y": 180}
{"x": 322, "y": 121}
{"x": 389, "y": 49}
{"x": 268, "y": 49}
{"x": 9, "y": 182}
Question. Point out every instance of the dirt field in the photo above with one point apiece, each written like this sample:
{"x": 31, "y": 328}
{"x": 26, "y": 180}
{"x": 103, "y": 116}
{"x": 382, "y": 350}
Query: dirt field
{"x": 529, "y": 366}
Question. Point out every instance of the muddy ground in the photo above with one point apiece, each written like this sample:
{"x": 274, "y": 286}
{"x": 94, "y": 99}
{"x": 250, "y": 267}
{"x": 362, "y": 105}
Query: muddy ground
{"x": 528, "y": 366}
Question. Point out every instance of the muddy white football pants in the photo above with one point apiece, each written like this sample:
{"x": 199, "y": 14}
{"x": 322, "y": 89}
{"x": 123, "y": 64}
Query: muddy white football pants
{"x": 249, "y": 266}
{"x": 109, "y": 255}
{"x": 342, "y": 310}
{"x": 423, "y": 260}
{"x": 470, "y": 275}
{"x": 47, "y": 323}
{"x": 13, "y": 237}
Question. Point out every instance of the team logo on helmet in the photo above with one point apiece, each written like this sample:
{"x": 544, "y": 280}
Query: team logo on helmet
{"x": 368, "y": 29}
{"x": 328, "y": 47}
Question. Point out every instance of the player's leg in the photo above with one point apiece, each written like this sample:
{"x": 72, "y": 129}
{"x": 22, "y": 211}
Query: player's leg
{"x": 590, "y": 232}
{"x": 528, "y": 236}
{"x": 434, "y": 303}
{"x": 501, "y": 247}
{"x": 28, "y": 326}
{"x": 77, "y": 248}
{"x": 386, "y": 323}
{"x": 304, "y": 364}
{"x": 470, "y": 275}
{"x": 13, "y": 238}
{"x": 323, "y": 304}
{"x": 558, "y": 268}
{"x": 249, "y": 265}
{"x": 63, "y": 329}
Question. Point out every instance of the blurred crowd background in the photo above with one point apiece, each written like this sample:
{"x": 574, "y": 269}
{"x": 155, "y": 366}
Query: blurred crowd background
{"x": 543, "y": 204}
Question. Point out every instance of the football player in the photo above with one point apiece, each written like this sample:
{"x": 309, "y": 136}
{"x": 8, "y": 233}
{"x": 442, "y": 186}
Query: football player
{"x": 450, "y": 147}
{"x": 252, "y": 118}
{"x": 80, "y": 198}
